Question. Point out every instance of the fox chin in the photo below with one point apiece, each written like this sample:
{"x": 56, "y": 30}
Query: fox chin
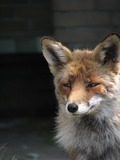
{"x": 87, "y": 87}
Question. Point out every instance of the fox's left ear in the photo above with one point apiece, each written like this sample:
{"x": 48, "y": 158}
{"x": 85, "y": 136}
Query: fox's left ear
{"x": 56, "y": 54}
{"x": 108, "y": 51}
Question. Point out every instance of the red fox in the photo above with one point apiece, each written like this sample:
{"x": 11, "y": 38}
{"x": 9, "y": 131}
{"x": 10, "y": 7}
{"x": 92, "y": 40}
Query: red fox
{"x": 87, "y": 87}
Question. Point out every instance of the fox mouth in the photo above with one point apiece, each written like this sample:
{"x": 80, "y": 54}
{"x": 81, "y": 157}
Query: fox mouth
{"x": 80, "y": 109}
{"x": 91, "y": 108}
{"x": 75, "y": 109}
{"x": 83, "y": 108}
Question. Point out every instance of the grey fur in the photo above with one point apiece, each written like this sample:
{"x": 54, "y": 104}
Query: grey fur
{"x": 92, "y": 137}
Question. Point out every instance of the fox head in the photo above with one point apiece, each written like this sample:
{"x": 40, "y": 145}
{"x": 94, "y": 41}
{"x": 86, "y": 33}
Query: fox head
{"x": 86, "y": 81}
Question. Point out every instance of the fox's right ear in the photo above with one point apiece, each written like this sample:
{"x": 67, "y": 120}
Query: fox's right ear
{"x": 55, "y": 53}
{"x": 108, "y": 51}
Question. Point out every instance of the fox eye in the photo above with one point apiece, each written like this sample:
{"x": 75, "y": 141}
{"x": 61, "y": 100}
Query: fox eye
{"x": 67, "y": 85}
{"x": 92, "y": 84}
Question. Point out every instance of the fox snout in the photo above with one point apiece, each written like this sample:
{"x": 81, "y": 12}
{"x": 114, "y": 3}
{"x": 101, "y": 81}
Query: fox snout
{"x": 72, "y": 107}
{"x": 82, "y": 107}
{"x": 77, "y": 108}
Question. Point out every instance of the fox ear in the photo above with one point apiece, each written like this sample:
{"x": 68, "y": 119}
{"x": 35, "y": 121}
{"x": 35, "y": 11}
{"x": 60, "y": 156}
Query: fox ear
{"x": 108, "y": 51}
{"x": 55, "y": 53}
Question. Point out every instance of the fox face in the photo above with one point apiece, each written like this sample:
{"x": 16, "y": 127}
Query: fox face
{"x": 85, "y": 80}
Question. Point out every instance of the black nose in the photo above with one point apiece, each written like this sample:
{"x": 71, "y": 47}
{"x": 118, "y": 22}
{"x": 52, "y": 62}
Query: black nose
{"x": 72, "y": 107}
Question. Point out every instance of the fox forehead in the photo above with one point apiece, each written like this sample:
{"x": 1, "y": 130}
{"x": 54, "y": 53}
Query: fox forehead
{"x": 82, "y": 66}
{"x": 82, "y": 69}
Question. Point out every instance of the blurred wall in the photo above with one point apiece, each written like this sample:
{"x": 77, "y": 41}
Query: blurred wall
{"x": 26, "y": 86}
{"x": 83, "y": 23}
{"x": 23, "y": 23}
{"x": 77, "y": 23}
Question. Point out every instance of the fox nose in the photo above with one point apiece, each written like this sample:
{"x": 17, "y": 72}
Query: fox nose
{"x": 72, "y": 107}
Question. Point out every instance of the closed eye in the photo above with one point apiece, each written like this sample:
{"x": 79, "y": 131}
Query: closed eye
{"x": 67, "y": 85}
{"x": 92, "y": 84}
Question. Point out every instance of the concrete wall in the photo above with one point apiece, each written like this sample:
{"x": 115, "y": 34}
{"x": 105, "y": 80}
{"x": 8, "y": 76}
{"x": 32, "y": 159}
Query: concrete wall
{"x": 22, "y": 23}
{"x": 25, "y": 18}
{"x": 77, "y": 23}
{"x": 83, "y": 23}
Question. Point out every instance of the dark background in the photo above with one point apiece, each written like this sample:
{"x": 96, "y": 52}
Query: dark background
{"x": 26, "y": 87}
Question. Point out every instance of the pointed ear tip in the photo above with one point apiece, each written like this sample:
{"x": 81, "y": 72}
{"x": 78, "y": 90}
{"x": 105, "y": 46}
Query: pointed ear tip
{"x": 116, "y": 35}
{"x": 113, "y": 36}
{"x": 45, "y": 40}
